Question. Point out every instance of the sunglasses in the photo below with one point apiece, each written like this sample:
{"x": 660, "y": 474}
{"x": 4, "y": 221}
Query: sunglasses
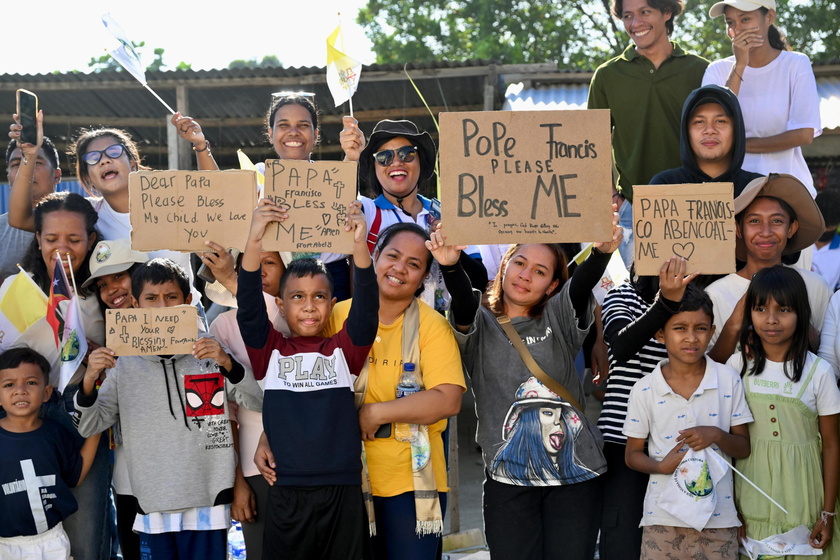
{"x": 113, "y": 152}
{"x": 386, "y": 157}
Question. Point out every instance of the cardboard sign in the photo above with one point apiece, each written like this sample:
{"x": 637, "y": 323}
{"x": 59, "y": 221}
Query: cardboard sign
{"x": 180, "y": 210}
{"x": 694, "y": 221}
{"x": 526, "y": 176}
{"x": 151, "y": 331}
{"x": 317, "y": 194}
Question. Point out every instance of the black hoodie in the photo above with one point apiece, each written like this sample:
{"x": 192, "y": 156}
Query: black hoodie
{"x": 690, "y": 172}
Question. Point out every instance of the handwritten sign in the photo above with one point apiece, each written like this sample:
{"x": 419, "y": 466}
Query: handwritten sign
{"x": 526, "y": 176}
{"x": 151, "y": 331}
{"x": 317, "y": 194}
{"x": 180, "y": 210}
{"x": 693, "y": 221}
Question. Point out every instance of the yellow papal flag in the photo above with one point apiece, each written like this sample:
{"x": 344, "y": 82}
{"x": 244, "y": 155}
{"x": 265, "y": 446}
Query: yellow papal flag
{"x": 22, "y": 304}
{"x": 342, "y": 70}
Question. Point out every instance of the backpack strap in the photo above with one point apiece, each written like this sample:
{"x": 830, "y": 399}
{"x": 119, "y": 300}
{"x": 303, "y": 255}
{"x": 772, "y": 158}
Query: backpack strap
{"x": 373, "y": 232}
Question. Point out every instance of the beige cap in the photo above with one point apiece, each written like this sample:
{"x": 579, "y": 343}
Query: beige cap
{"x": 796, "y": 195}
{"x": 743, "y": 5}
{"x": 110, "y": 257}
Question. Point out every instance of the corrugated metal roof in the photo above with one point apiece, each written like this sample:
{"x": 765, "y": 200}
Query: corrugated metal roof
{"x": 829, "y": 90}
{"x": 231, "y": 104}
{"x": 573, "y": 96}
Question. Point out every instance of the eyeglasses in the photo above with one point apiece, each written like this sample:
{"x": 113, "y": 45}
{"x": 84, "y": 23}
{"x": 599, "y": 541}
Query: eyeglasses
{"x": 113, "y": 152}
{"x": 405, "y": 153}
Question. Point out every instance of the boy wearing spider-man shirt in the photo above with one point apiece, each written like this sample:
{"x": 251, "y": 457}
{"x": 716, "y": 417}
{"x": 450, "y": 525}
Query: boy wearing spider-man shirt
{"x": 175, "y": 429}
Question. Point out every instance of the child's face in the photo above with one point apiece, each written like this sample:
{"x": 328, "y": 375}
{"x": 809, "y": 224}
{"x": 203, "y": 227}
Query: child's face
{"x": 686, "y": 336}
{"x": 774, "y": 324}
{"x": 766, "y": 228}
{"x": 166, "y": 294}
{"x": 23, "y": 390}
{"x": 271, "y": 267}
{"x": 115, "y": 290}
{"x": 306, "y": 304}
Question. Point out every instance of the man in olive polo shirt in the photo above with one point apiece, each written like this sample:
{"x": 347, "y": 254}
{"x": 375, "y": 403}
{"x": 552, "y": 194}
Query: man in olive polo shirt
{"x": 644, "y": 88}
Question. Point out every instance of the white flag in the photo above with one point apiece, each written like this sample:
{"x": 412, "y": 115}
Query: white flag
{"x": 73, "y": 343}
{"x": 690, "y": 494}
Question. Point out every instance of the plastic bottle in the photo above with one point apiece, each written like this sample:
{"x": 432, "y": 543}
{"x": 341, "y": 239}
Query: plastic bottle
{"x": 236, "y": 542}
{"x": 408, "y": 385}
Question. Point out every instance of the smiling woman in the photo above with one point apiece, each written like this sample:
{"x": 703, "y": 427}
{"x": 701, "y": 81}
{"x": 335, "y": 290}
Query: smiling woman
{"x": 775, "y": 86}
{"x": 543, "y": 458}
{"x": 775, "y": 216}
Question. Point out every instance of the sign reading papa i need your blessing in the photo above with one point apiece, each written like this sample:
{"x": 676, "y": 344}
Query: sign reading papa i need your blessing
{"x": 526, "y": 176}
{"x": 158, "y": 331}
{"x": 693, "y": 221}
{"x": 318, "y": 194}
{"x": 180, "y": 210}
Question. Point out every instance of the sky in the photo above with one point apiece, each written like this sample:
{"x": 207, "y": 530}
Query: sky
{"x": 65, "y": 34}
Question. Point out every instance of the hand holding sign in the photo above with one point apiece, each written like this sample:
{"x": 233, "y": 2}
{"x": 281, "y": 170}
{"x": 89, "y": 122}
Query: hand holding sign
{"x": 673, "y": 280}
{"x": 266, "y": 212}
{"x": 444, "y": 254}
{"x": 617, "y": 235}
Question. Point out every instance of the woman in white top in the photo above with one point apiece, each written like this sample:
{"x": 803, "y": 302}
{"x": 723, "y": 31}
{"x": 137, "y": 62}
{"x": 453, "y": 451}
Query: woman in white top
{"x": 776, "y": 88}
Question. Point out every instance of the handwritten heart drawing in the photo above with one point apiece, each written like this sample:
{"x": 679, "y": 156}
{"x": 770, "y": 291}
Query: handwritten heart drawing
{"x": 326, "y": 218}
{"x": 685, "y": 251}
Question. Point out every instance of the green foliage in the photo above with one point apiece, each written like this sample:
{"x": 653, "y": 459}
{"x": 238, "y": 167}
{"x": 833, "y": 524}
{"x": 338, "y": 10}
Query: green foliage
{"x": 107, "y": 63}
{"x": 576, "y": 34}
{"x": 270, "y": 61}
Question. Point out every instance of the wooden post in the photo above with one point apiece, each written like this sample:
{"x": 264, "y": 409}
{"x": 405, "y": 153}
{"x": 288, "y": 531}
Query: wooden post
{"x": 454, "y": 506}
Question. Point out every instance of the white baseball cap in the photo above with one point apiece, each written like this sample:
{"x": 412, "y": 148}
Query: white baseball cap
{"x": 743, "y": 5}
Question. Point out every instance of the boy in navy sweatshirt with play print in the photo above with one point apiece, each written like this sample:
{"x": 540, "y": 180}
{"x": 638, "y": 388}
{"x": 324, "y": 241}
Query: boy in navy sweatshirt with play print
{"x": 315, "y": 505}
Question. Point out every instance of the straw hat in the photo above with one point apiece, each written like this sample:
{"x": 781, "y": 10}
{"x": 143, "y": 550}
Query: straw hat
{"x": 791, "y": 190}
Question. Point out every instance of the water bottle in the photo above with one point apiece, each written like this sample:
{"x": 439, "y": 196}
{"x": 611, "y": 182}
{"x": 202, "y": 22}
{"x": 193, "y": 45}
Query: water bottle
{"x": 236, "y": 542}
{"x": 408, "y": 385}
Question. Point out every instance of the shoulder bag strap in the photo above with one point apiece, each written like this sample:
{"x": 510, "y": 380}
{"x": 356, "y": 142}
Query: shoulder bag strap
{"x": 533, "y": 367}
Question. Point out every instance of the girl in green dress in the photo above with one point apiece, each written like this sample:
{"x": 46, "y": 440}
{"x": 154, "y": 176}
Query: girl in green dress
{"x": 794, "y": 399}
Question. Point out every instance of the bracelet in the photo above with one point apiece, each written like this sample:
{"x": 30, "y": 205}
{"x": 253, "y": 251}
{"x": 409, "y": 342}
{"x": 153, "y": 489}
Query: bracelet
{"x": 826, "y": 515}
{"x": 206, "y": 147}
{"x": 737, "y": 74}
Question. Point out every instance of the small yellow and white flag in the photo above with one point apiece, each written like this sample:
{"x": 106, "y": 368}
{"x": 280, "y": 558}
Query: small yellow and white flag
{"x": 615, "y": 274}
{"x": 22, "y": 304}
{"x": 342, "y": 70}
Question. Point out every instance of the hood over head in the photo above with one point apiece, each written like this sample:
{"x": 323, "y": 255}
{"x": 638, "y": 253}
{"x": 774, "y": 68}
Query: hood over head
{"x": 729, "y": 101}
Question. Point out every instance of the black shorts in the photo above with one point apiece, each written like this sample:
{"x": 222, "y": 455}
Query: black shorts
{"x": 315, "y": 522}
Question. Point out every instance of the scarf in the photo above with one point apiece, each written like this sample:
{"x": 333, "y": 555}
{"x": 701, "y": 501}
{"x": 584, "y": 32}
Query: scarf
{"x": 426, "y": 498}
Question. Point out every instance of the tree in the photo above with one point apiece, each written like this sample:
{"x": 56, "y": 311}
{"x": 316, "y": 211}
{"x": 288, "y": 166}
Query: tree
{"x": 577, "y": 34}
{"x": 107, "y": 63}
{"x": 269, "y": 61}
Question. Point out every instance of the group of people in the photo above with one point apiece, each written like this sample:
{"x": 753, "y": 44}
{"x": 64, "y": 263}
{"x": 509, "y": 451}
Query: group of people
{"x": 291, "y": 414}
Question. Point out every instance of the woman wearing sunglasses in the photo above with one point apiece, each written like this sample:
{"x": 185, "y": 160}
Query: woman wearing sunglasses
{"x": 392, "y": 165}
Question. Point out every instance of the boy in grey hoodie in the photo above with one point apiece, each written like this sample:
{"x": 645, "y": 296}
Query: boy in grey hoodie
{"x": 175, "y": 428}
